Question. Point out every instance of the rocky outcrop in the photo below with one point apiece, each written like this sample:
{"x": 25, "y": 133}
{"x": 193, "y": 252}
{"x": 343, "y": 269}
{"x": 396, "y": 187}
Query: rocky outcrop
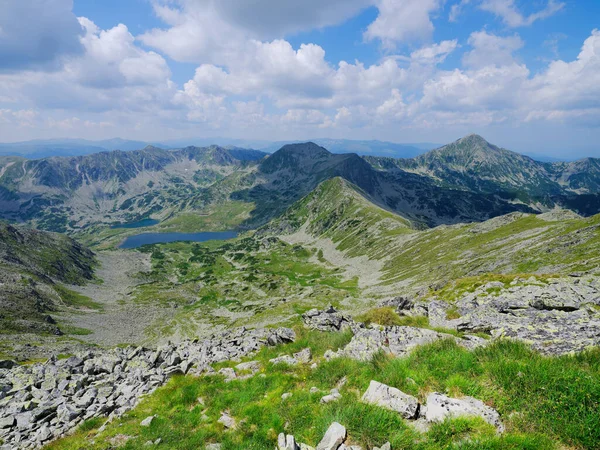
{"x": 328, "y": 320}
{"x": 41, "y": 402}
{"x": 555, "y": 316}
{"x": 437, "y": 408}
{"x": 398, "y": 341}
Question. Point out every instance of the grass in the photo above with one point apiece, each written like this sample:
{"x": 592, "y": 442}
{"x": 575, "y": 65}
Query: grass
{"x": 224, "y": 216}
{"x": 74, "y": 299}
{"x": 243, "y": 281}
{"x": 545, "y": 403}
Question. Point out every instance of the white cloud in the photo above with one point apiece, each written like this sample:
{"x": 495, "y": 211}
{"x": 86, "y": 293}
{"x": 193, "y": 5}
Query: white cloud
{"x": 435, "y": 53}
{"x": 489, "y": 49}
{"x": 402, "y": 20}
{"x": 507, "y": 11}
{"x": 211, "y": 31}
{"x": 572, "y": 85}
{"x": 112, "y": 59}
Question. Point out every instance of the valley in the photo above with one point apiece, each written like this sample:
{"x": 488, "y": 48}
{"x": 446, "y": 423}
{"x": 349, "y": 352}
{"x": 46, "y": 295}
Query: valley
{"x": 467, "y": 245}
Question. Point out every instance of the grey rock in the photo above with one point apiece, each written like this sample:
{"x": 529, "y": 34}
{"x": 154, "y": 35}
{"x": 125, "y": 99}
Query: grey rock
{"x": 7, "y": 422}
{"x": 439, "y": 407}
{"x": 334, "y": 437}
{"x": 227, "y": 421}
{"x": 213, "y": 447}
{"x": 391, "y": 398}
{"x": 397, "y": 341}
{"x": 327, "y": 320}
{"x": 147, "y": 421}
{"x": 304, "y": 356}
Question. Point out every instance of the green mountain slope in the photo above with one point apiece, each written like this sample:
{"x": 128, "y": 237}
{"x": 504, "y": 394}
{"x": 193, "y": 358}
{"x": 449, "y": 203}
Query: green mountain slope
{"x": 33, "y": 264}
{"x": 473, "y": 164}
{"x": 340, "y": 211}
{"x": 69, "y": 194}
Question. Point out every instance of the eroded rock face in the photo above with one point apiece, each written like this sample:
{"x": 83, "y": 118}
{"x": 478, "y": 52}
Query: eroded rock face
{"x": 45, "y": 401}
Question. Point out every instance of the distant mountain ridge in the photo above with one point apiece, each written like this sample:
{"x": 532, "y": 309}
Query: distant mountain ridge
{"x": 41, "y": 148}
{"x": 465, "y": 181}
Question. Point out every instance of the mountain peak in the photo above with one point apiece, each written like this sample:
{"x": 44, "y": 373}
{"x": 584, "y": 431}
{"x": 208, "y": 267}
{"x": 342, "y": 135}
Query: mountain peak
{"x": 295, "y": 156}
{"x": 474, "y": 139}
{"x": 305, "y": 149}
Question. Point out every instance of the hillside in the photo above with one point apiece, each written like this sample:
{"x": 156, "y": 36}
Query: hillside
{"x": 195, "y": 189}
{"x": 66, "y": 194}
{"x": 473, "y": 164}
{"x": 450, "y": 314}
{"x": 34, "y": 265}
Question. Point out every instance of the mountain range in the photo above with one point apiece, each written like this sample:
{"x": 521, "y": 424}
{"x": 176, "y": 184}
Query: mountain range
{"x": 43, "y": 148}
{"x": 467, "y": 180}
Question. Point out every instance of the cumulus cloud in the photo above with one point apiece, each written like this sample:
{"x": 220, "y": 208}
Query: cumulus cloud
{"x": 37, "y": 34}
{"x": 402, "y": 20}
{"x": 250, "y": 80}
{"x": 569, "y": 86}
{"x": 216, "y": 31}
{"x": 489, "y": 49}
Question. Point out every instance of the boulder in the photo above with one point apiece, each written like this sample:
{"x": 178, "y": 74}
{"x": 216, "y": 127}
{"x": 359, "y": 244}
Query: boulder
{"x": 327, "y": 320}
{"x": 391, "y": 398}
{"x": 439, "y": 407}
{"x": 334, "y": 437}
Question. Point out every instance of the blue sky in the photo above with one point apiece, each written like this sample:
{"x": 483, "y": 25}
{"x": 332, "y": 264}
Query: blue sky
{"x": 524, "y": 74}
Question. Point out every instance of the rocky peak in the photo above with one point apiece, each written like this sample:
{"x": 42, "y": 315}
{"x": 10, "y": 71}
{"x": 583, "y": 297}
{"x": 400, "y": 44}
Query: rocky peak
{"x": 295, "y": 156}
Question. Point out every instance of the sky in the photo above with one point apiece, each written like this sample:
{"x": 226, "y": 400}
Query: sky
{"x": 523, "y": 74}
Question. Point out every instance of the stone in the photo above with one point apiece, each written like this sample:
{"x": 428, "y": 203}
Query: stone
{"x": 252, "y": 366}
{"x": 284, "y": 359}
{"x": 397, "y": 341}
{"x": 327, "y": 320}
{"x": 304, "y": 356}
{"x": 213, "y": 446}
{"x": 286, "y": 395}
{"x": 440, "y": 406}
{"x": 391, "y": 398}
{"x": 334, "y": 437}
{"x": 147, "y": 421}
{"x": 227, "y": 421}
{"x": 333, "y": 396}
{"x": 7, "y": 422}
{"x": 228, "y": 373}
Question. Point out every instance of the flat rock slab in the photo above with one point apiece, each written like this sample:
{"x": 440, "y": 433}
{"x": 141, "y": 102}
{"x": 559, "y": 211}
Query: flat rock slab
{"x": 439, "y": 407}
{"x": 391, "y": 398}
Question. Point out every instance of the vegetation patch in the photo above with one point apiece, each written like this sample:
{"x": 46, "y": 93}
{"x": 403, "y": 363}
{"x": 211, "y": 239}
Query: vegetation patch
{"x": 545, "y": 403}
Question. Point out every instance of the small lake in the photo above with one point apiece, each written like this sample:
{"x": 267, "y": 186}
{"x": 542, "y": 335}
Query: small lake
{"x": 139, "y": 224}
{"x": 160, "y": 238}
